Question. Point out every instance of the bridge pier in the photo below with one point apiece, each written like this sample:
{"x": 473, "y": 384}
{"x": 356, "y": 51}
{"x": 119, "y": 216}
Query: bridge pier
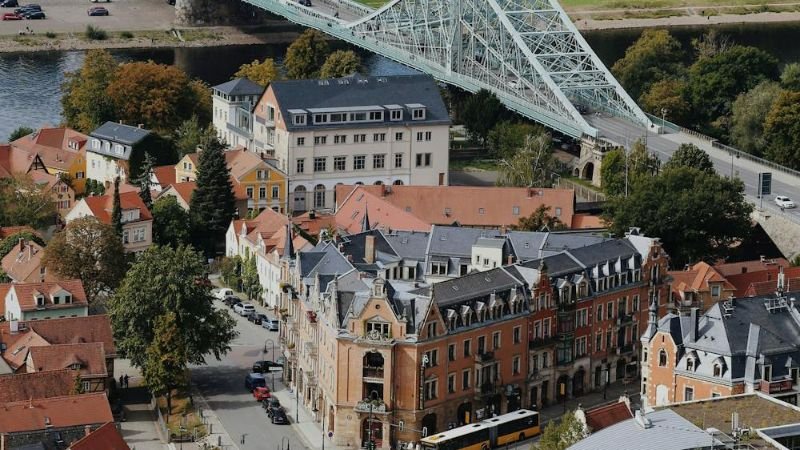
{"x": 590, "y": 162}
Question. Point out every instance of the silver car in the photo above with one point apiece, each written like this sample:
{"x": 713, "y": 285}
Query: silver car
{"x": 270, "y": 324}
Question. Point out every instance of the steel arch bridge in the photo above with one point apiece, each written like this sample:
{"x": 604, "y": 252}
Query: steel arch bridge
{"x": 527, "y": 52}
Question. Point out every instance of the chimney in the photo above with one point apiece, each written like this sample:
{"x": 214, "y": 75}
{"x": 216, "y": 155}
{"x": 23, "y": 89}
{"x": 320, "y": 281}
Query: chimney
{"x": 383, "y": 190}
{"x": 21, "y": 244}
{"x": 312, "y": 214}
{"x": 509, "y": 260}
{"x": 13, "y": 326}
{"x": 30, "y": 252}
{"x": 503, "y": 230}
{"x": 694, "y": 322}
{"x": 369, "y": 249}
{"x": 530, "y": 192}
{"x": 642, "y": 420}
{"x": 87, "y": 430}
{"x": 763, "y": 258}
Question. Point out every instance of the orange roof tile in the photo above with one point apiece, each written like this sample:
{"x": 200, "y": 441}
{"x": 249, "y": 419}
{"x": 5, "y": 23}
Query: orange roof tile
{"x": 382, "y": 213}
{"x": 165, "y": 175}
{"x": 14, "y": 160}
{"x": 586, "y": 221}
{"x": 60, "y": 412}
{"x": 751, "y": 266}
{"x": 106, "y": 437}
{"x": 73, "y": 330}
{"x": 315, "y": 225}
{"x": 8, "y": 231}
{"x": 89, "y": 356}
{"x": 18, "y": 346}
{"x": 53, "y": 146}
{"x": 25, "y": 386}
{"x": 185, "y": 190}
{"x": 605, "y": 416}
{"x": 697, "y": 279}
{"x": 102, "y": 205}
{"x": 23, "y": 261}
{"x": 26, "y": 293}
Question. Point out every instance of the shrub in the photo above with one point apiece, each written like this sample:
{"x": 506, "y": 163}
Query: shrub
{"x": 126, "y": 35}
{"x": 50, "y": 35}
{"x": 95, "y": 33}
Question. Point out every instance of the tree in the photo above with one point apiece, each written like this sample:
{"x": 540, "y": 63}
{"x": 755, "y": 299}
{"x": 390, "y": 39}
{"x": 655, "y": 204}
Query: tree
{"x": 90, "y": 251}
{"x": 481, "y": 112}
{"x": 689, "y": 155}
{"x": 116, "y": 211}
{"x": 157, "y": 96}
{"x": 19, "y": 132}
{"x": 655, "y": 56}
{"x": 4, "y": 278}
{"x": 782, "y": 130}
{"x": 77, "y": 384}
{"x": 170, "y": 222}
{"x": 259, "y": 72}
{"x": 94, "y": 187}
{"x": 711, "y": 44}
{"x": 540, "y": 219}
{"x": 748, "y": 113}
{"x": 698, "y": 215}
{"x": 638, "y": 163}
{"x": 531, "y": 166}
{"x": 26, "y": 202}
{"x": 790, "y": 77}
{"x": 667, "y": 94}
{"x": 144, "y": 181}
{"x": 165, "y": 280}
{"x": 340, "y": 63}
{"x": 560, "y": 435}
{"x": 189, "y": 135}
{"x": 507, "y": 137}
{"x": 85, "y": 103}
{"x": 250, "y": 283}
{"x": 230, "y": 270}
{"x": 305, "y": 55}
{"x": 166, "y": 359}
{"x": 716, "y": 81}
{"x": 212, "y": 205}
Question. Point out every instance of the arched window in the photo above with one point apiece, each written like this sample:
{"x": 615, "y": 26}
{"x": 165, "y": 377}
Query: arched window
{"x": 689, "y": 363}
{"x": 717, "y": 370}
{"x": 662, "y": 358}
{"x": 398, "y": 182}
{"x": 319, "y": 196}
{"x": 378, "y": 183}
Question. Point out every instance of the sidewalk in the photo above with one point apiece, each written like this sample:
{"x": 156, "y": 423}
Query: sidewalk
{"x": 308, "y": 430}
{"x": 217, "y": 436}
{"x": 591, "y": 400}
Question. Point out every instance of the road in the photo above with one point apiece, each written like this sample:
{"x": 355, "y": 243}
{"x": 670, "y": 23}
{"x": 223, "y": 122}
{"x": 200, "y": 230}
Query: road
{"x": 222, "y": 385}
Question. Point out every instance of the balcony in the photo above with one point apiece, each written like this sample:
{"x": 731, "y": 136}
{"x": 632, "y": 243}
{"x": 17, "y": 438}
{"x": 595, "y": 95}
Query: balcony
{"x": 373, "y": 372}
{"x": 240, "y": 131}
{"x": 774, "y": 387}
{"x": 625, "y": 349}
{"x": 310, "y": 348}
{"x": 488, "y": 389}
{"x": 624, "y": 319}
{"x": 484, "y": 357}
{"x": 541, "y": 342}
{"x": 371, "y": 406}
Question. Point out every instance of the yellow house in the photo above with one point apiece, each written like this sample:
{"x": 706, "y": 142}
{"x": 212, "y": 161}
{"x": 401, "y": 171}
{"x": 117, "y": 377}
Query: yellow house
{"x": 186, "y": 169}
{"x": 62, "y": 150}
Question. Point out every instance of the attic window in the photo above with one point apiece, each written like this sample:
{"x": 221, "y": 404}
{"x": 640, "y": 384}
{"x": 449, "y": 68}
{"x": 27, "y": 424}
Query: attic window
{"x": 75, "y": 366}
{"x": 299, "y": 119}
{"x": 717, "y": 370}
{"x": 68, "y": 298}
{"x": 690, "y": 364}
{"x": 40, "y": 300}
{"x": 527, "y": 245}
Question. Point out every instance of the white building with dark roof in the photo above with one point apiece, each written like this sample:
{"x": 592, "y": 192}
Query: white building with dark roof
{"x": 111, "y": 147}
{"x": 232, "y": 104}
{"x": 354, "y": 130}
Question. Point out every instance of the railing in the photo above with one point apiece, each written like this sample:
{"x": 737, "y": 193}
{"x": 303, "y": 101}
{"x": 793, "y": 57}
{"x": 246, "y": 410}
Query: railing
{"x": 623, "y": 319}
{"x": 484, "y": 357}
{"x": 373, "y": 372}
{"x": 488, "y": 389}
{"x": 541, "y": 342}
{"x": 374, "y": 406}
{"x": 772, "y": 387}
{"x": 581, "y": 191}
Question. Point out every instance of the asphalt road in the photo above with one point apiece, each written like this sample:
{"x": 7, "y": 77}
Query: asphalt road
{"x": 222, "y": 384}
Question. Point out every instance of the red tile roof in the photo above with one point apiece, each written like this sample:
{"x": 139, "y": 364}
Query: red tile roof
{"x": 60, "y": 412}
{"x": 102, "y": 205}
{"x": 751, "y": 266}
{"x": 165, "y": 175}
{"x": 382, "y": 213}
{"x": 23, "y": 261}
{"x": 605, "y": 416}
{"x": 18, "y": 345}
{"x": 769, "y": 287}
{"x": 313, "y": 226}
{"x": 89, "y": 357}
{"x": 185, "y": 190}
{"x": 53, "y": 146}
{"x": 26, "y": 293}
{"x": 106, "y": 437}
{"x": 73, "y": 330}
{"x": 14, "y": 160}
{"x": 697, "y": 279}
{"x": 26, "y": 386}
{"x": 8, "y": 231}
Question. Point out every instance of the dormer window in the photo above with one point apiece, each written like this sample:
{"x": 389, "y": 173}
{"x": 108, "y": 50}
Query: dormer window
{"x": 299, "y": 119}
{"x": 418, "y": 114}
{"x": 397, "y": 115}
{"x": 118, "y": 149}
{"x": 75, "y": 366}
{"x": 96, "y": 144}
{"x": 766, "y": 373}
{"x": 717, "y": 370}
{"x": 715, "y": 290}
{"x": 40, "y": 301}
{"x": 56, "y": 300}
{"x": 73, "y": 145}
{"x": 690, "y": 364}
{"x": 68, "y": 298}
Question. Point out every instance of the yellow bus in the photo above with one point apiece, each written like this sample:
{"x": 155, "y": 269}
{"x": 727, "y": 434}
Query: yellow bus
{"x": 490, "y": 433}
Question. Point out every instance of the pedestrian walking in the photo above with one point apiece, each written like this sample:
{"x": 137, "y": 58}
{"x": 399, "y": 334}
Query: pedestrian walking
{"x": 121, "y": 381}
{"x": 126, "y": 380}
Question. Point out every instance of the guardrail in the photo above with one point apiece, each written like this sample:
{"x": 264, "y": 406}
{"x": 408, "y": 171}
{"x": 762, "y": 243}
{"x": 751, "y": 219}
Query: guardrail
{"x": 581, "y": 191}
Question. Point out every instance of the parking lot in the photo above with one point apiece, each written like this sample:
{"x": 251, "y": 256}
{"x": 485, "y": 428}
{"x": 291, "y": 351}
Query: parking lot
{"x": 69, "y": 16}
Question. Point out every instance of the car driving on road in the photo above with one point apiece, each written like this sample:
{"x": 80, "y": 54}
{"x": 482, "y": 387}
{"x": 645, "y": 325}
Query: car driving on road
{"x": 784, "y": 202}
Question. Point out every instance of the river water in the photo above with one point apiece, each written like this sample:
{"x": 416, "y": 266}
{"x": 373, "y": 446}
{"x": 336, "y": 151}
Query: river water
{"x": 30, "y": 82}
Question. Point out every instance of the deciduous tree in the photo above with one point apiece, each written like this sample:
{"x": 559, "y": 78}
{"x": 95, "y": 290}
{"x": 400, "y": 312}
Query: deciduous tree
{"x": 749, "y": 112}
{"x": 506, "y": 138}
{"x": 481, "y": 112}
{"x": 212, "y": 205}
{"x": 640, "y": 164}
{"x": 655, "y": 56}
{"x": 231, "y": 271}
{"x": 85, "y": 102}
{"x": 540, "y": 219}
{"x": 782, "y": 130}
{"x": 667, "y": 94}
{"x": 711, "y": 44}
{"x": 560, "y": 435}
{"x": 189, "y": 135}
{"x": 90, "y": 251}
{"x": 19, "y": 132}
{"x": 689, "y": 155}
{"x": 25, "y": 202}
{"x": 259, "y": 72}
{"x": 165, "y": 280}
{"x": 531, "y": 166}
{"x": 166, "y": 359}
{"x": 790, "y": 77}
{"x": 305, "y": 55}
{"x": 698, "y": 215}
{"x": 250, "y": 284}
{"x": 340, "y": 63}
{"x": 170, "y": 222}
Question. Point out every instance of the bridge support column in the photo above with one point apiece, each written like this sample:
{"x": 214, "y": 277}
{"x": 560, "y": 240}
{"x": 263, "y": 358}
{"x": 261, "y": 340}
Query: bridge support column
{"x": 591, "y": 160}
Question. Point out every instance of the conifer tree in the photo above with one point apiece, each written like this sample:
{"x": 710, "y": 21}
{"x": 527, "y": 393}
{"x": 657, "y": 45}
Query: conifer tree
{"x": 144, "y": 182}
{"x": 212, "y": 206}
{"x": 116, "y": 212}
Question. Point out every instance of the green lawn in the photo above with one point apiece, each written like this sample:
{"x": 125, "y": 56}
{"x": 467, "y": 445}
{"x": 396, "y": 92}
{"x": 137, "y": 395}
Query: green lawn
{"x": 373, "y": 3}
{"x": 574, "y": 5}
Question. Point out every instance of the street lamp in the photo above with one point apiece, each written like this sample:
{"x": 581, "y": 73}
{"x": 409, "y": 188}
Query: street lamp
{"x": 664, "y": 112}
{"x": 271, "y": 373}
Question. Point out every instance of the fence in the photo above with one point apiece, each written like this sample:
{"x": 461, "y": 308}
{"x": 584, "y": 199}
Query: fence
{"x": 581, "y": 191}
{"x": 162, "y": 425}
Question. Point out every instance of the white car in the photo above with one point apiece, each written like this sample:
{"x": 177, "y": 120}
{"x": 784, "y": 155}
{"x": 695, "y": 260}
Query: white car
{"x": 220, "y": 294}
{"x": 784, "y": 202}
{"x": 244, "y": 309}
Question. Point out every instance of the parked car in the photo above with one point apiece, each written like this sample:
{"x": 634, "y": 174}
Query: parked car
{"x": 261, "y": 393}
{"x": 221, "y": 293}
{"x": 306, "y": 3}
{"x": 270, "y": 405}
{"x": 9, "y": 3}
{"x": 270, "y": 324}
{"x": 97, "y": 1}
{"x": 784, "y": 202}
{"x": 34, "y": 15}
{"x": 254, "y": 380}
{"x": 245, "y": 309}
{"x": 97, "y": 11}
{"x": 279, "y": 417}
{"x": 11, "y": 16}
{"x": 231, "y": 300}
{"x": 27, "y": 8}
{"x": 265, "y": 366}
{"x": 257, "y": 318}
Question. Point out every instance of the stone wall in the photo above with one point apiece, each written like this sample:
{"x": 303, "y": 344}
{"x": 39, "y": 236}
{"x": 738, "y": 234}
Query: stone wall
{"x": 783, "y": 231}
{"x": 218, "y": 12}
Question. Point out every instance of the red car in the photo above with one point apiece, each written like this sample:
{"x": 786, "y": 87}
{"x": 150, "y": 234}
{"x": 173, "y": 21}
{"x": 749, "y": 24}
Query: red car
{"x": 261, "y": 393}
{"x": 11, "y": 16}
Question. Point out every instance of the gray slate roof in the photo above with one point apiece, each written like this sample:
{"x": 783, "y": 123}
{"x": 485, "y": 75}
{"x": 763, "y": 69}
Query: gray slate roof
{"x": 240, "y": 86}
{"x": 472, "y": 286}
{"x": 362, "y": 91}
{"x": 120, "y": 133}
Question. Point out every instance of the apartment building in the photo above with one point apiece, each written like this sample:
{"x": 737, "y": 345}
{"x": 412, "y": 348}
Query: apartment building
{"x": 112, "y": 147}
{"x": 390, "y": 130}
{"x": 232, "y": 104}
{"x": 137, "y": 222}
{"x": 44, "y": 300}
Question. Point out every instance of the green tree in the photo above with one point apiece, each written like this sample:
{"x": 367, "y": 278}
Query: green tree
{"x": 481, "y": 112}
{"x": 166, "y": 359}
{"x": 562, "y": 434}
{"x": 164, "y": 280}
{"x": 116, "y": 210}
{"x": 189, "y": 135}
{"x": 707, "y": 213}
{"x": 655, "y": 56}
{"x": 716, "y": 81}
{"x": 749, "y": 111}
{"x": 259, "y": 72}
{"x": 26, "y": 202}
{"x": 790, "y": 77}
{"x": 19, "y": 132}
{"x": 638, "y": 164}
{"x": 782, "y": 130}
{"x": 689, "y": 155}
{"x": 340, "y": 63}
{"x": 305, "y": 55}
{"x": 532, "y": 166}
{"x": 8, "y": 244}
{"x": 507, "y": 137}
{"x": 90, "y": 251}
{"x": 711, "y": 44}
{"x": 212, "y": 205}
{"x": 84, "y": 101}
{"x": 170, "y": 222}
{"x": 250, "y": 283}
{"x": 77, "y": 384}
{"x": 230, "y": 270}
{"x": 539, "y": 220}
{"x": 144, "y": 181}
{"x": 4, "y": 278}
{"x": 667, "y": 94}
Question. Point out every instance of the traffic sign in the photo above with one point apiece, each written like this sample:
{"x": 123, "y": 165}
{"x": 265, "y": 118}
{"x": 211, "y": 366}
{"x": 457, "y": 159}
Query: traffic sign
{"x": 764, "y": 183}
